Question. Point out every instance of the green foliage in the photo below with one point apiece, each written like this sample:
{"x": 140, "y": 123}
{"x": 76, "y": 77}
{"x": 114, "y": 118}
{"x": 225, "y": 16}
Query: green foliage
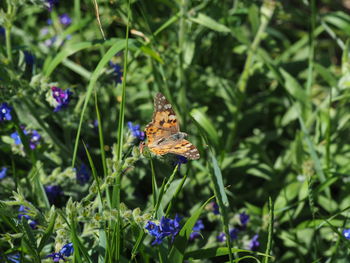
{"x": 260, "y": 87}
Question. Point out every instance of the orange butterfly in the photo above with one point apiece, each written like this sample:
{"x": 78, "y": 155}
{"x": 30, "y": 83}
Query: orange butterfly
{"x": 163, "y": 133}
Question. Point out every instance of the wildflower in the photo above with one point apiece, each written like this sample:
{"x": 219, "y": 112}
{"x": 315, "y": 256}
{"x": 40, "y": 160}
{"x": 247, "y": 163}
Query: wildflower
{"x": 23, "y": 213}
{"x": 221, "y": 237}
{"x": 49, "y": 42}
{"x": 244, "y": 218}
{"x": 3, "y": 172}
{"x": 62, "y": 97}
{"x": 49, "y": 21}
{"x": 254, "y": 243}
{"x": 166, "y": 227}
{"x": 33, "y": 140}
{"x": 135, "y": 131}
{"x": 5, "y": 112}
{"x": 29, "y": 58}
{"x": 44, "y": 31}
{"x": 65, "y": 19}
{"x": 83, "y": 174}
{"x": 198, "y": 226}
{"x": 50, "y": 4}
{"x": 65, "y": 251}
{"x": 14, "y": 258}
{"x": 234, "y": 233}
{"x": 2, "y": 31}
{"x": 213, "y": 206}
{"x": 117, "y": 72}
{"x": 180, "y": 160}
{"x": 346, "y": 233}
{"x": 53, "y": 192}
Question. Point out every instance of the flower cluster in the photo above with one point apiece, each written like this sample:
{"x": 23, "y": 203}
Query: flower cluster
{"x": 5, "y": 112}
{"x": 166, "y": 227}
{"x": 34, "y": 137}
{"x": 24, "y": 214}
{"x": 196, "y": 229}
{"x": 136, "y": 131}
{"x": 62, "y": 97}
{"x": 65, "y": 251}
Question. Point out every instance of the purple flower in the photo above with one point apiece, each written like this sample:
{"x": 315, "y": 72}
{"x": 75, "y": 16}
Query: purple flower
{"x": 49, "y": 42}
{"x": 23, "y": 213}
{"x": 244, "y": 218}
{"x": 65, "y": 19}
{"x": 198, "y": 226}
{"x": 29, "y": 58}
{"x": 53, "y": 192}
{"x": 44, "y": 31}
{"x": 135, "y": 131}
{"x": 50, "y": 4}
{"x": 3, "y": 172}
{"x": 117, "y": 72}
{"x": 65, "y": 251}
{"x": 346, "y": 233}
{"x": 234, "y": 233}
{"x": 2, "y": 31}
{"x": 5, "y": 112}
{"x": 166, "y": 227}
{"x": 34, "y": 137}
{"x": 180, "y": 160}
{"x": 83, "y": 174}
{"x": 61, "y": 96}
{"x": 254, "y": 243}
{"x": 213, "y": 206}
{"x": 49, "y": 21}
{"x": 221, "y": 237}
{"x": 56, "y": 257}
{"x": 14, "y": 258}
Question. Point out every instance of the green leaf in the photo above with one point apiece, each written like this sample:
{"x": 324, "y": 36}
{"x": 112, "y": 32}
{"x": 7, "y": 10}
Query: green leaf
{"x": 294, "y": 88}
{"x": 206, "y": 125}
{"x": 208, "y": 22}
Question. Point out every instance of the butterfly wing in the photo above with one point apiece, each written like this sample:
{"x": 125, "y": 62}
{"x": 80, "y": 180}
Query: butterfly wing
{"x": 164, "y": 122}
{"x": 186, "y": 149}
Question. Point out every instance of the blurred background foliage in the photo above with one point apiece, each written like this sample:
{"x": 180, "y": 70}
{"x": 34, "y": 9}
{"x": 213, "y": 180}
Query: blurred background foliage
{"x": 263, "y": 85}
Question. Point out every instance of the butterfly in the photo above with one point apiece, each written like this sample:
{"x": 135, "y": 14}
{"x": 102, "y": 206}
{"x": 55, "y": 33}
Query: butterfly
{"x": 163, "y": 132}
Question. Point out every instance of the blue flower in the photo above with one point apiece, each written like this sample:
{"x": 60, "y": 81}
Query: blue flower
{"x": 50, "y": 4}
{"x": 67, "y": 250}
{"x": 254, "y": 243}
{"x": 244, "y": 218}
{"x": 234, "y": 233}
{"x": 3, "y": 172}
{"x": 65, "y": 19}
{"x": 213, "y": 206}
{"x": 2, "y": 31}
{"x": 83, "y": 174}
{"x": 5, "y": 112}
{"x": 62, "y": 97}
{"x": 14, "y": 258}
{"x": 166, "y": 227}
{"x": 117, "y": 72}
{"x": 198, "y": 226}
{"x": 221, "y": 237}
{"x": 53, "y": 192}
{"x": 346, "y": 233}
{"x": 180, "y": 160}
{"x": 49, "y": 42}
{"x": 56, "y": 257}
{"x": 29, "y": 58}
{"x": 135, "y": 131}
{"x": 23, "y": 213}
{"x": 34, "y": 137}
